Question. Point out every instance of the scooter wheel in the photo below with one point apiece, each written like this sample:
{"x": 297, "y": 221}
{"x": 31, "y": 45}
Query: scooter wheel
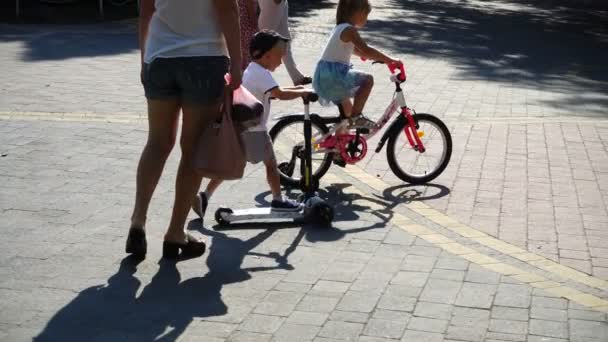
{"x": 323, "y": 213}
{"x": 219, "y": 216}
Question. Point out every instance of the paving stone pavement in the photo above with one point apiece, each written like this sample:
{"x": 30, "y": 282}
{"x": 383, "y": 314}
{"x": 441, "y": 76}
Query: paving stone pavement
{"x": 67, "y": 190}
{"x": 525, "y": 100}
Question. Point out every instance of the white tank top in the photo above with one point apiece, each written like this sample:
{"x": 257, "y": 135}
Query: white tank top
{"x": 336, "y": 50}
{"x": 184, "y": 28}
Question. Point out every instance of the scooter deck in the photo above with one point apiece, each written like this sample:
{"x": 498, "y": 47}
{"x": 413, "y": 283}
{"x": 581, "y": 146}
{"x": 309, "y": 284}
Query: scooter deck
{"x": 262, "y": 214}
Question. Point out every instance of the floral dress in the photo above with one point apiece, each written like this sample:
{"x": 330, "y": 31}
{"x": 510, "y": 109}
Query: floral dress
{"x": 249, "y": 26}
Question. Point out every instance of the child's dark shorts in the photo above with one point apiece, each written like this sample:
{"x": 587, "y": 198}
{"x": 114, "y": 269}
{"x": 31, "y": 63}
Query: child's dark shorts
{"x": 193, "y": 80}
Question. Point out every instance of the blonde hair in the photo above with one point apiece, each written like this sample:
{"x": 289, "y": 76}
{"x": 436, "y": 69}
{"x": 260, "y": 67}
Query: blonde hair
{"x": 347, "y": 8}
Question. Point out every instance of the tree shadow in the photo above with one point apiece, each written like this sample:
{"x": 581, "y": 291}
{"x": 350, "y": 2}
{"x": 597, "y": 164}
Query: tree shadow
{"x": 555, "y": 44}
{"x": 43, "y": 43}
{"x": 58, "y": 42}
{"x": 70, "y": 12}
{"x": 303, "y": 9}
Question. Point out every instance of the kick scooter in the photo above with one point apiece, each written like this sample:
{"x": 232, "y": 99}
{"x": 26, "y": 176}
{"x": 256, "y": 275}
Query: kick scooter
{"x": 312, "y": 209}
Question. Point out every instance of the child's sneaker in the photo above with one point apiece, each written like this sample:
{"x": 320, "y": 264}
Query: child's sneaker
{"x": 360, "y": 121}
{"x": 285, "y": 205}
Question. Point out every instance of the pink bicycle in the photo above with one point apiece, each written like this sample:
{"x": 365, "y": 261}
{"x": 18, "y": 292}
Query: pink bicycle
{"x": 419, "y": 145}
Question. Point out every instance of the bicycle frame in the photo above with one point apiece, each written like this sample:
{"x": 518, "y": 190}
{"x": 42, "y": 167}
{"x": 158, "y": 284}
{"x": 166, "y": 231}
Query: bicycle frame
{"x": 398, "y": 101}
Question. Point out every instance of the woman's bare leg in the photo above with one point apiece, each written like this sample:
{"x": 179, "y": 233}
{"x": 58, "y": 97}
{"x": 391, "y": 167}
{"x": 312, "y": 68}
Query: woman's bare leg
{"x": 195, "y": 119}
{"x": 162, "y": 123}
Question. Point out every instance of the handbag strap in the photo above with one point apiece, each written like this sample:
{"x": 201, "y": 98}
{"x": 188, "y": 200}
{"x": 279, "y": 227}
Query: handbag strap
{"x": 228, "y": 100}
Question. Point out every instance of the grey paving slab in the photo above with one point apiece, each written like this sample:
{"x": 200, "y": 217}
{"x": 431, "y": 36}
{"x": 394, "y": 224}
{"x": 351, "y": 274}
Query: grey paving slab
{"x": 424, "y": 336}
{"x": 295, "y": 332}
{"x": 441, "y": 291}
{"x": 548, "y": 328}
{"x": 384, "y": 328}
{"x": 341, "y": 330}
{"x": 513, "y": 295}
{"x": 476, "y": 295}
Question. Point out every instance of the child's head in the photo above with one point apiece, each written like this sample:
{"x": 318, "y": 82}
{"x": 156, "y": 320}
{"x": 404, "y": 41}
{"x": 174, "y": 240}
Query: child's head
{"x": 354, "y": 12}
{"x": 267, "y": 49}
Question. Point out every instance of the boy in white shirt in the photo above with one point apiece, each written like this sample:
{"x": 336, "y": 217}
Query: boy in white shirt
{"x": 267, "y": 49}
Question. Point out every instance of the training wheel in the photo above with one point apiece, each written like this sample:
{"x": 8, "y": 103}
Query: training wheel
{"x": 318, "y": 211}
{"x": 324, "y": 214}
{"x": 286, "y": 168}
{"x": 219, "y": 216}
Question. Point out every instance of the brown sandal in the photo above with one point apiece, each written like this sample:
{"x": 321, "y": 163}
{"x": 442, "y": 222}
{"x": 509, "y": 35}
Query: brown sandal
{"x": 193, "y": 248}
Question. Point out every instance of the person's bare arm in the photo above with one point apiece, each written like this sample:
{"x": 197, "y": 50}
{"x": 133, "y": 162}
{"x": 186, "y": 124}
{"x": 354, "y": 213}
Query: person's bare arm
{"x": 351, "y": 34}
{"x": 289, "y": 94}
{"x": 145, "y": 15}
{"x": 356, "y": 52}
{"x": 228, "y": 18}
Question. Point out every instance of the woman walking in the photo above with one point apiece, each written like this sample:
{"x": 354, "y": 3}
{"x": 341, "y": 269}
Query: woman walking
{"x": 185, "y": 47}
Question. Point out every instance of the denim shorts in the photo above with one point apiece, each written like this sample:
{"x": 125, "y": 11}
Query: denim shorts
{"x": 194, "y": 80}
{"x": 335, "y": 81}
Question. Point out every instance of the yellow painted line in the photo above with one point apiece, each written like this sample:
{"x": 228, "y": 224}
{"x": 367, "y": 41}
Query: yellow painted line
{"x": 482, "y": 238}
{"x": 498, "y": 245}
{"x": 545, "y": 284}
{"x": 527, "y": 256}
{"x": 92, "y": 117}
{"x": 457, "y": 249}
{"x": 479, "y": 259}
{"x": 529, "y": 278}
{"x": 436, "y": 239}
{"x": 472, "y": 255}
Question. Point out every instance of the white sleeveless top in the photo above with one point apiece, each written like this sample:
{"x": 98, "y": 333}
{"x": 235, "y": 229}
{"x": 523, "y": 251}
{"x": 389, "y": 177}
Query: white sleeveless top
{"x": 336, "y": 50}
{"x": 184, "y": 28}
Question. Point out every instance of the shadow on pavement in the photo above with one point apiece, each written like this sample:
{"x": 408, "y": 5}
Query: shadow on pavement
{"x": 66, "y": 11}
{"x": 166, "y": 306}
{"x": 51, "y": 42}
{"x": 43, "y": 42}
{"x": 302, "y": 9}
{"x": 559, "y": 43}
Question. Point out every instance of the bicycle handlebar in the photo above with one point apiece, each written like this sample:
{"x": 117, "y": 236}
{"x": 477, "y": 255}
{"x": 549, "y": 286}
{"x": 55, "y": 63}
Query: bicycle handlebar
{"x": 392, "y": 67}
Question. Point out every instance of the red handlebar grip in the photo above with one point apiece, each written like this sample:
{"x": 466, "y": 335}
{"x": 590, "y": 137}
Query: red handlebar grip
{"x": 394, "y": 66}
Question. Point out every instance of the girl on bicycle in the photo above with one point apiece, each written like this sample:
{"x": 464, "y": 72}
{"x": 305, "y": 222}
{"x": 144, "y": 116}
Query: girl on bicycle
{"x": 334, "y": 80}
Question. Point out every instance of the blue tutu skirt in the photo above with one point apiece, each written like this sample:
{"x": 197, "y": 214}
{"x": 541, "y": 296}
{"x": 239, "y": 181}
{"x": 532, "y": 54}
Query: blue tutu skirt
{"x": 334, "y": 82}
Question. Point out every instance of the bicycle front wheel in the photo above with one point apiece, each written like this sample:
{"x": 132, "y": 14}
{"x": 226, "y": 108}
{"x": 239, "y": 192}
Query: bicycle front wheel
{"x": 288, "y": 140}
{"x": 413, "y": 166}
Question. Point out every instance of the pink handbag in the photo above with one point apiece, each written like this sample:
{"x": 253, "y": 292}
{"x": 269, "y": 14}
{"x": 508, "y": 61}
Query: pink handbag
{"x": 220, "y": 154}
{"x": 247, "y": 111}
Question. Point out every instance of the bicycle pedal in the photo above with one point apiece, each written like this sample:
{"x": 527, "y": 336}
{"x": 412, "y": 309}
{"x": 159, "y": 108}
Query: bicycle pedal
{"x": 340, "y": 162}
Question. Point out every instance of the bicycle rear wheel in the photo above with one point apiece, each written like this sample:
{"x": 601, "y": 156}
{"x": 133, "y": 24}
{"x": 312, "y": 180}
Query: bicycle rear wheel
{"x": 288, "y": 140}
{"x": 409, "y": 164}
